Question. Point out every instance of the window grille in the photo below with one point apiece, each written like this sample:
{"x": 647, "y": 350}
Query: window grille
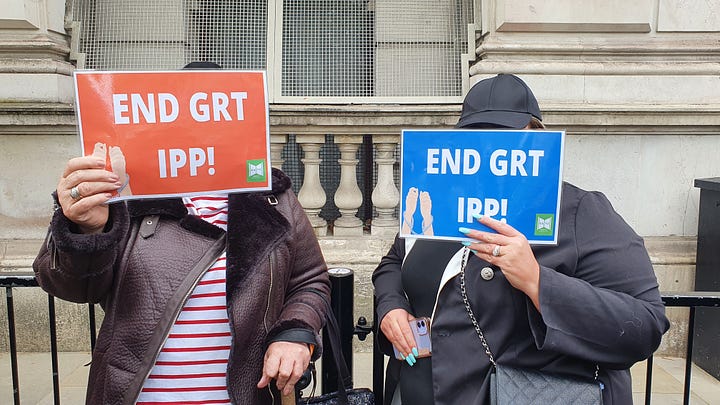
{"x": 386, "y": 48}
{"x": 167, "y": 34}
{"x": 323, "y": 50}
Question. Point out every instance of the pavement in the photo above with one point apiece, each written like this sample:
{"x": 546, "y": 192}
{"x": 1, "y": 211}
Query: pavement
{"x": 35, "y": 376}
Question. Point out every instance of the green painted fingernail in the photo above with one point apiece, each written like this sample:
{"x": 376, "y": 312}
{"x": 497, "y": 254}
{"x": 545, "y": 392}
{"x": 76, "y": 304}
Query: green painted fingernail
{"x": 464, "y": 230}
{"x": 467, "y": 243}
{"x": 415, "y": 352}
{"x": 477, "y": 216}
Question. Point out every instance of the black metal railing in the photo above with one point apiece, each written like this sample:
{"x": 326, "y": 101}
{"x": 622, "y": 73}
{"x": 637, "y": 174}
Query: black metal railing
{"x": 16, "y": 280}
{"x": 342, "y": 297}
{"x": 690, "y": 300}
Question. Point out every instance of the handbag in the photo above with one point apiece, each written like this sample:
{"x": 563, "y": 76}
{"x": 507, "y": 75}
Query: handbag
{"x": 346, "y": 394}
{"x": 511, "y": 385}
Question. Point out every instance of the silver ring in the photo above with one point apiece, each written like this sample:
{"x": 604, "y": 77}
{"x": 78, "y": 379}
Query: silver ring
{"x": 496, "y": 251}
{"x": 75, "y": 193}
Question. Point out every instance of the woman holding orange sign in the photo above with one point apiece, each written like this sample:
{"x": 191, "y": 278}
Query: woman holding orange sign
{"x": 206, "y": 298}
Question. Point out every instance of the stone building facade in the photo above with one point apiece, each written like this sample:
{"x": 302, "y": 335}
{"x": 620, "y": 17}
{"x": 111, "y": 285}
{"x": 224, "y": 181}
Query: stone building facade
{"x": 635, "y": 85}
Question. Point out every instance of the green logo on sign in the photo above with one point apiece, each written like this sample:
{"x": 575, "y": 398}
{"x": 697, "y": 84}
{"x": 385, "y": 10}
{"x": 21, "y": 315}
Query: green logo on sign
{"x": 544, "y": 224}
{"x": 256, "y": 171}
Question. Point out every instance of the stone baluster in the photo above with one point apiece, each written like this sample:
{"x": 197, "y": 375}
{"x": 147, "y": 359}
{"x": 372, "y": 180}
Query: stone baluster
{"x": 385, "y": 195}
{"x": 348, "y": 197}
{"x": 277, "y": 143}
{"x": 312, "y": 196}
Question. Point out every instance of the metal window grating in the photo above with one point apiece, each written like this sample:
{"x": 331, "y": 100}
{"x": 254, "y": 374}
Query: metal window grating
{"x": 374, "y": 48}
{"x": 167, "y": 34}
{"x": 327, "y": 48}
{"x": 324, "y": 48}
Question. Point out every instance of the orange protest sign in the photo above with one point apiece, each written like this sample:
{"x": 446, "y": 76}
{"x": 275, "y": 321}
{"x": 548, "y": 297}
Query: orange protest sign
{"x": 177, "y": 132}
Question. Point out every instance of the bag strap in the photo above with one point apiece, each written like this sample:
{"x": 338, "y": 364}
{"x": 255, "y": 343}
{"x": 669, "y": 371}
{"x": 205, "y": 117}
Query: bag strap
{"x": 471, "y": 315}
{"x": 469, "y": 310}
{"x": 332, "y": 329}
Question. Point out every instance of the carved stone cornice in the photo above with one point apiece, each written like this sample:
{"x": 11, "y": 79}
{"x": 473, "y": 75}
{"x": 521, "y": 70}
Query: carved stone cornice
{"x": 597, "y": 119}
{"x": 37, "y": 119}
{"x": 576, "y": 49}
{"x": 41, "y": 66}
{"x": 59, "y": 118}
{"x": 33, "y": 46}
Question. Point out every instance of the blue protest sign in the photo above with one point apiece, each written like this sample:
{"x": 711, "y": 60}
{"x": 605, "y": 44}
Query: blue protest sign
{"x": 448, "y": 176}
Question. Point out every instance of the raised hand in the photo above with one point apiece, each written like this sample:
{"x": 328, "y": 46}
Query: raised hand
{"x": 84, "y": 189}
{"x": 509, "y": 250}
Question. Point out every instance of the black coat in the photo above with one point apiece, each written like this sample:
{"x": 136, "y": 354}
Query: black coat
{"x": 598, "y": 296}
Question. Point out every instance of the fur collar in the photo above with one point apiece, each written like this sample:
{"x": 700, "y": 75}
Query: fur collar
{"x": 174, "y": 207}
{"x": 255, "y": 226}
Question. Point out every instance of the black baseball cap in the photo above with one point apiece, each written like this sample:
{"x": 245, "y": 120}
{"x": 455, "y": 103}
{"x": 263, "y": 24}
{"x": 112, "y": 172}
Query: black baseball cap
{"x": 504, "y": 100}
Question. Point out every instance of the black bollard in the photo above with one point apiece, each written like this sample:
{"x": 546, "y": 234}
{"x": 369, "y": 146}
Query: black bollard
{"x": 342, "y": 297}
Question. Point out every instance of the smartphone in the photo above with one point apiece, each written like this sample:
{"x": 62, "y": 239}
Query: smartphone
{"x": 421, "y": 331}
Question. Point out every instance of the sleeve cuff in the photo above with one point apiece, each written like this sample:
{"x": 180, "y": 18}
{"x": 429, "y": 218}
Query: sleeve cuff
{"x": 537, "y": 323}
{"x": 68, "y": 240}
{"x": 298, "y": 332}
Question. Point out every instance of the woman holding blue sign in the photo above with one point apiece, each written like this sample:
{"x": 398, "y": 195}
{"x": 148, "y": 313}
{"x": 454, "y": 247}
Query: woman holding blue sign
{"x": 586, "y": 308}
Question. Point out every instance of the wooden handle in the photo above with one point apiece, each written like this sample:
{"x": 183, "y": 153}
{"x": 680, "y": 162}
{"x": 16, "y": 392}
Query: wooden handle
{"x": 288, "y": 399}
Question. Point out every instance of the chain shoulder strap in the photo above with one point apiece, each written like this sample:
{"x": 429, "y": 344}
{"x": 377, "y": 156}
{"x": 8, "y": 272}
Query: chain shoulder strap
{"x": 470, "y": 313}
{"x": 474, "y": 321}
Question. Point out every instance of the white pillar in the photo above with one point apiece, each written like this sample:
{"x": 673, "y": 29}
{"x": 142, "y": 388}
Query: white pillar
{"x": 312, "y": 196}
{"x": 348, "y": 197}
{"x": 385, "y": 195}
{"x": 277, "y": 143}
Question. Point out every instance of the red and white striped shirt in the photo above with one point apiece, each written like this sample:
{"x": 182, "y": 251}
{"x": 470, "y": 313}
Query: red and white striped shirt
{"x": 192, "y": 365}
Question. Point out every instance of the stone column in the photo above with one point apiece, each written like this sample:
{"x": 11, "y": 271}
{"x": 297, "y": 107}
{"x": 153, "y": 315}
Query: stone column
{"x": 277, "y": 143}
{"x": 348, "y": 197}
{"x": 312, "y": 196}
{"x": 385, "y": 195}
{"x": 36, "y": 113}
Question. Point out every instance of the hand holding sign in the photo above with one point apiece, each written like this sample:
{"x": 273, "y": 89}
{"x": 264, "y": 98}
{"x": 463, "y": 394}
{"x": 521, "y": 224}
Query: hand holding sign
{"x": 508, "y": 249}
{"x": 84, "y": 190}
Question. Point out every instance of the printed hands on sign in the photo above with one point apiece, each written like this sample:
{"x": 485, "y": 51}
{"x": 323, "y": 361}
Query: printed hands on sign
{"x": 117, "y": 162}
{"x": 411, "y": 201}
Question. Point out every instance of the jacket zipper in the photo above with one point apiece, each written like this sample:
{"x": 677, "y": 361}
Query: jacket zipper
{"x": 53, "y": 252}
{"x": 271, "y": 260}
{"x": 272, "y": 279}
{"x": 175, "y": 316}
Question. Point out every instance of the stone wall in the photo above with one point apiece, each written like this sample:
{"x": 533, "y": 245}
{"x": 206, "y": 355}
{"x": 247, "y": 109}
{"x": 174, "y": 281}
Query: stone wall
{"x": 673, "y": 259}
{"x": 635, "y": 86}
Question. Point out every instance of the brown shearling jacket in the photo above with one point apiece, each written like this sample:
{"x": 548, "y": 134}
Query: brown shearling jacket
{"x": 151, "y": 255}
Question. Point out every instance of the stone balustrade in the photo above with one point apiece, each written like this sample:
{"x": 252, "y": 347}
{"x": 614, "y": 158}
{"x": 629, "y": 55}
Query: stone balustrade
{"x": 348, "y": 197}
{"x": 348, "y": 127}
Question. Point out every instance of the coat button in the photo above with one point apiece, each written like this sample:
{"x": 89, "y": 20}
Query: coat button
{"x": 487, "y": 273}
